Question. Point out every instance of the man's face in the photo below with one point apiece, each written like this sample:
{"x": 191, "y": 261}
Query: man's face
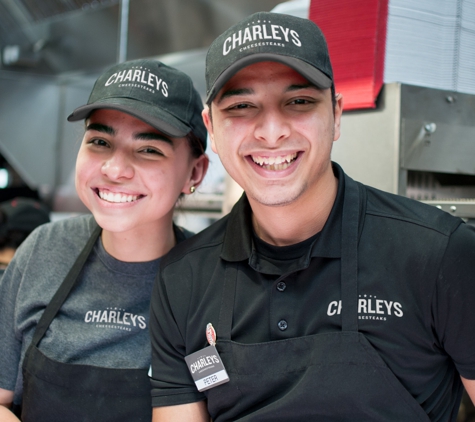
{"x": 274, "y": 131}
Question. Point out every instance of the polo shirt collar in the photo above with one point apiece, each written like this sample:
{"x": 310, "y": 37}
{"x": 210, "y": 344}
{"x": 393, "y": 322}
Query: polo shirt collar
{"x": 237, "y": 244}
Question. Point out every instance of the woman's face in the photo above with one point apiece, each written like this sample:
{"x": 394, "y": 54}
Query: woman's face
{"x": 130, "y": 175}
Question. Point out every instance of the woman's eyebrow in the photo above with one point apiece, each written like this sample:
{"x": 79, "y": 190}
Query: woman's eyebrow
{"x": 99, "y": 127}
{"x": 153, "y": 136}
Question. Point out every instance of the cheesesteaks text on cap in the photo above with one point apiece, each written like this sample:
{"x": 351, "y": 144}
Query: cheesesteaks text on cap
{"x": 153, "y": 92}
{"x": 296, "y": 42}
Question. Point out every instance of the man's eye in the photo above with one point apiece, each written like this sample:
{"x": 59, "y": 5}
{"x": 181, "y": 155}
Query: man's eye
{"x": 151, "y": 151}
{"x": 239, "y": 107}
{"x": 300, "y": 101}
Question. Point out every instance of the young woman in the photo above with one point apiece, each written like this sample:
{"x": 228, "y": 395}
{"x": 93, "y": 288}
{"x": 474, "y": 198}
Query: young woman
{"x": 75, "y": 298}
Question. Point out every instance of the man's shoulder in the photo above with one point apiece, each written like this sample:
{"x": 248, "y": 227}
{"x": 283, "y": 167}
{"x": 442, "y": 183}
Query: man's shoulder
{"x": 208, "y": 239}
{"x": 391, "y": 206}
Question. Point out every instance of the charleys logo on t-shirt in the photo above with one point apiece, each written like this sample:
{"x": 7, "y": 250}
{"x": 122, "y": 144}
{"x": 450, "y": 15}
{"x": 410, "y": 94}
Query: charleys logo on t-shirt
{"x": 261, "y": 33}
{"x": 139, "y": 77}
{"x": 115, "y": 318}
{"x": 370, "y": 307}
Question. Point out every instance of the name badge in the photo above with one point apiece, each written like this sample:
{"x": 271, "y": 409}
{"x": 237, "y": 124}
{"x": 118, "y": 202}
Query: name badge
{"x": 206, "y": 366}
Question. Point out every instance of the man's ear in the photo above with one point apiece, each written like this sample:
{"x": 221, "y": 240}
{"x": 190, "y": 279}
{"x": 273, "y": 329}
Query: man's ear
{"x": 337, "y": 115}
{"x": 206, "y": 114}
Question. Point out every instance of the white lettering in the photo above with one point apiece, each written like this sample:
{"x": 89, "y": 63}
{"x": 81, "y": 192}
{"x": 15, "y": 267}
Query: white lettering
{"x": 295, "y": 38}
{"x": 274, "y": 29}
{"x": 136, "y": 76}
{"x": 398, "y": 309}
{"x": 285, "y": 31}
{"x": 264, "y": 30}
{"x": 362, "y": 306}
{"x": 370, "y": 309}
{"x": 111, "y": 80}
{"x": 128, "y": 76}
{"x": 256, "y": 32}
{"x": 388, "y": 306}
{"x": 247, "y": 36}
{"x": 120, "y": 76}
{"x": 165, "y": 89}
{"x": 226, "y": 50}
{"x": 237, "y": 39}
{"x": 142, "y": 323}
{"x": 112, "y": 316}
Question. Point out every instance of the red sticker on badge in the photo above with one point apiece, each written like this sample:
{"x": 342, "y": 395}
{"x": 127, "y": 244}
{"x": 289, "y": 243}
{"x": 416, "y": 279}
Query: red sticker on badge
{"x": 210, "y": 334}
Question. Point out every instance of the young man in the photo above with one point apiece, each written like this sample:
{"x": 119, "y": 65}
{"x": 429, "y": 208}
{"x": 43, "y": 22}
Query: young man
{"x": 329, "y": 300}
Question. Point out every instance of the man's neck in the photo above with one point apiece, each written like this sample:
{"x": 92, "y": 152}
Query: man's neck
{"x": 296, "y": 222}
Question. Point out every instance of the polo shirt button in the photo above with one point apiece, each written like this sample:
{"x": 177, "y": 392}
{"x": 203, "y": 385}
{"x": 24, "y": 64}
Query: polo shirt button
{"x": 282, "y": 324}
{"x": 281, "y": 286}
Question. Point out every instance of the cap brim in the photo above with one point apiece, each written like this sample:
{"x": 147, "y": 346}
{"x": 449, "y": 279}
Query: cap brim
{"x": 317, "y": 77}
{"x": 164, "y": 122}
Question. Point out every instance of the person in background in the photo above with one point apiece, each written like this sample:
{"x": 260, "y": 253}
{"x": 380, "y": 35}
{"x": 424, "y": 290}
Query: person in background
{"x": 317, "y": 298}
{"x": 18, "y": 218}
{"x": 75, "y": 344}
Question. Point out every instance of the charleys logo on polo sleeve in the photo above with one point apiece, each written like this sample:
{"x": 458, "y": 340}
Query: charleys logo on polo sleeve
{"x": 138, "y": 77}
{"x": 261, "y": 33}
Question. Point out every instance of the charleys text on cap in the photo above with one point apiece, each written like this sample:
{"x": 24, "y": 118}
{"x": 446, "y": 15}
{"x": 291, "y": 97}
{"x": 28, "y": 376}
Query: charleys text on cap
{"x": 296, "y": 42}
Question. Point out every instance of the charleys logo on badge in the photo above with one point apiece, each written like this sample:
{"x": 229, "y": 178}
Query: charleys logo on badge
{"x": 116, "y": 318}
{"x": 203, "y": 363}
{"x": 139, "y": 77}
{"x": 370, "y": 307}
{"x": 261, "y": 33}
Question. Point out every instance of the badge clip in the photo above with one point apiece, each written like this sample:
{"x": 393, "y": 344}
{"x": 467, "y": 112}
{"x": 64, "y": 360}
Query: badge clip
{"x": 205, "y": 365}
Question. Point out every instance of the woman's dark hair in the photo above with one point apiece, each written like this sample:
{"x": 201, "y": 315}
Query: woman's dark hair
{"x": 196, "y": 145}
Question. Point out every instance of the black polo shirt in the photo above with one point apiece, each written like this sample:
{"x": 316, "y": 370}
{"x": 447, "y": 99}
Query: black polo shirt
{"x": 415, "y": 284}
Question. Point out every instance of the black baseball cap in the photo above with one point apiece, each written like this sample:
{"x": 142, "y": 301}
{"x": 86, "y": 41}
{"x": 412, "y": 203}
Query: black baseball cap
{"x": 153, "y": 92}
{"x": 23, "y": 214}
{"x": 296, "y": 42}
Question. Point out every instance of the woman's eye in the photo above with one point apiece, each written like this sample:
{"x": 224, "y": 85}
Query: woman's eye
{"x": 98, "y": 142}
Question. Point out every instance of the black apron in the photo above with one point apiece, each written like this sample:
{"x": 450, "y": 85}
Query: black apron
{"x": 335, "y": 376}
{"x": 59, "y": 392}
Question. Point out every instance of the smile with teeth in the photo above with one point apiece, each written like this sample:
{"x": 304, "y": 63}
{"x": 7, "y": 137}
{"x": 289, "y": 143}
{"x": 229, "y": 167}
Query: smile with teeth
{"x": 275, "y": 163}
{"x": 117, "y": 197}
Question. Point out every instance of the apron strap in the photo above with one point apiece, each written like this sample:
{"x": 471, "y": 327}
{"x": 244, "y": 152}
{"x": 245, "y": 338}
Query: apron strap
{"x": 64, "y": 290}
{"x": 349, "y": 256}
{"x": 227, "y": 302}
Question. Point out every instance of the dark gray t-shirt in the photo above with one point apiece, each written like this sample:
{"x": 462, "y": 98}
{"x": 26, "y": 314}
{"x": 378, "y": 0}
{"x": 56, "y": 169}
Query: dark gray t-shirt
{"x": 104, "y": 321}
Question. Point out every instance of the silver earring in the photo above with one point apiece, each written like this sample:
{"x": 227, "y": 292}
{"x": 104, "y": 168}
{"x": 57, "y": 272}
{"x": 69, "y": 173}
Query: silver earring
{"x": 192, "y": 189}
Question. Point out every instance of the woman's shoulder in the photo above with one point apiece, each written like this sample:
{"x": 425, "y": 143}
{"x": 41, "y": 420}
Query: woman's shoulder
{"x": 67, "y": 234}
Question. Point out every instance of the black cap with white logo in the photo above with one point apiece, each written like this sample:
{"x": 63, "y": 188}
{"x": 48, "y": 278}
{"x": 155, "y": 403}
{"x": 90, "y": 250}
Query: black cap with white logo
{"x": 153, "y": 92}
{"x": 296, "y": 42}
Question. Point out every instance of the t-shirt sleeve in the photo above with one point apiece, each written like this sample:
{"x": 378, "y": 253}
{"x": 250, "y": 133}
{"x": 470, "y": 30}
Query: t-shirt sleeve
{"x": 455, "y": 300}
{"x": 171, "y": 381}
{"x": 11, "y": 340}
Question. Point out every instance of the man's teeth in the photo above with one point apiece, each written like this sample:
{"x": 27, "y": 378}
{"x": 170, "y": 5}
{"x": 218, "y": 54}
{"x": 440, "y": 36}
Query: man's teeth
{"x": 117, "y": 197}
{"x": 275, "y": 163}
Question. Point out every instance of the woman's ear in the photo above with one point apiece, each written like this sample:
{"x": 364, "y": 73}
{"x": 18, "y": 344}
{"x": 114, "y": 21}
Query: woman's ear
{"x": 198, "y": 173}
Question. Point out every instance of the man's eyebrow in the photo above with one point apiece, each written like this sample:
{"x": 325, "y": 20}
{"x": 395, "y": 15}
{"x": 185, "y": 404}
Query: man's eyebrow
{"x": 101, "y": 128}
{"x": 233, "y": 92}
{"x": 297, "y": 87}
{"x": 153, "y": 136}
